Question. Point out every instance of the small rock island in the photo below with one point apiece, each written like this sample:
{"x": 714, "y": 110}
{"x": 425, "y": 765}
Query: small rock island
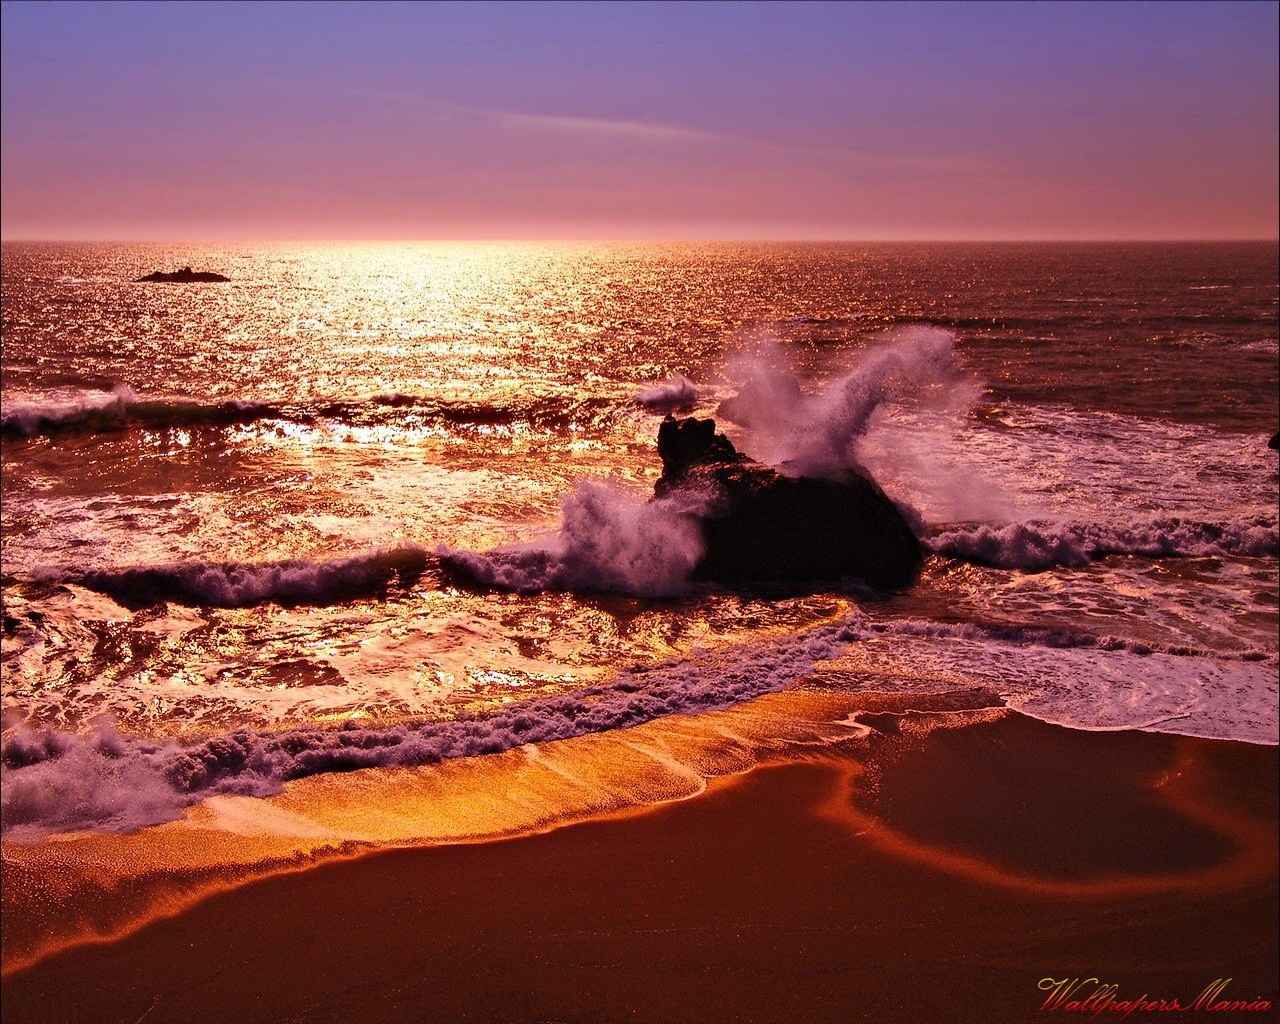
{"x": 184, "y": 276}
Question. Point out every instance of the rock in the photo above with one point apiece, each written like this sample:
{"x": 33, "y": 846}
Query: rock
{"x": 767, "y": 527}
{"x": 1274, "y": 443}
{"x": 184, "y": 276}
{"x": 685, "y": 444}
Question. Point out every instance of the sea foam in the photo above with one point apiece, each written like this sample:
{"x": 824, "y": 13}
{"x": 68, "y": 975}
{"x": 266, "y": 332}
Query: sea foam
{"x": 820, "y": 434}
{"x": 679, "y": 394}
{"x": 608, "y": 541}
{"x": 56, "y": 781}
{"x": 1045, "y": 543}
{"x": 237, "y": 584}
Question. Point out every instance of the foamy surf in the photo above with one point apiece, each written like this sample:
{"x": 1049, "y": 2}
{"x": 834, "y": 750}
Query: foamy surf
{"x": 239, "y": 584}
{"x": 104, "y": 780}
{"x": 608, "y": 541}
{"x": 1043, "y": 544}
{"x": 821, "y": 434}
{"x": 93, "y": 412}
{"x": 1076, "y": 680}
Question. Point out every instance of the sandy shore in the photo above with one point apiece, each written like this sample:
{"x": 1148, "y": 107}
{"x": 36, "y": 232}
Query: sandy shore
{"x": 924, "y": 875}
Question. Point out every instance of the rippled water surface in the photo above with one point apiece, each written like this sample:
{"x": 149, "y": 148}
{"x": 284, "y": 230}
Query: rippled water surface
{"x": 293, "y": 450}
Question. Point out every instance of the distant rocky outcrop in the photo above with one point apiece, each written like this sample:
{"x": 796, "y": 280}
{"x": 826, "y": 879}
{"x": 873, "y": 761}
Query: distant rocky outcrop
{"x": 184, "y": 276}
{"x": 767, "y": 527}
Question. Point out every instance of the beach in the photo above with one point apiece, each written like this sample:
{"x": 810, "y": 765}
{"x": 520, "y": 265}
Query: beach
{"x": 938, "y": 868}
{"x": 639, "y": 513}
{"x": 365, "y": 657}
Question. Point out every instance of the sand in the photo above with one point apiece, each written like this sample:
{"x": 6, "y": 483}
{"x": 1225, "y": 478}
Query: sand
{"x": 923, "y": 874}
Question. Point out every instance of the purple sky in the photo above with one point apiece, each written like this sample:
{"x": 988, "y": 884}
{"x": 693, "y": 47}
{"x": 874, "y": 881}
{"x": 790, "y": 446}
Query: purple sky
{"x": 850, "y": 121}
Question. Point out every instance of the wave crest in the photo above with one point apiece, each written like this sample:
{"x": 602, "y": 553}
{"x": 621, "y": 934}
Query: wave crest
{"x": 607, "y": 542}
{"x": 679, "y": 394}
{"x": 238, "y": 584}
{"x": 95, "y": 412}
{"x": 55, "y": 782}
{"x": 820, "y": 435}
{"x": 1042, "y": 544}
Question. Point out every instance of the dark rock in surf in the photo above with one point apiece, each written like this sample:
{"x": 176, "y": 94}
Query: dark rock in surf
{"x": 184, "y": 276}
{"x": 767, "y": 527}
{"x": 1274, "y": 443}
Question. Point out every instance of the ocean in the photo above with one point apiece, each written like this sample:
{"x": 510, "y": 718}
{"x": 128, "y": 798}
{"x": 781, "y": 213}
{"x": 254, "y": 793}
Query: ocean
{"x": 374, "y": 506}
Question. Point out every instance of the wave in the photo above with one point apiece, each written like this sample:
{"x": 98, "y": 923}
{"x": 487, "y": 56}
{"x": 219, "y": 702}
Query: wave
{"x": 607, "y": 542}
{"x": 1075, "y": 679}
{"x": 1062, "y": 639}
{"x": 1042, "y": 544}
{"x": 239, "y": 584}
{"x": 105, "y": 781}
{"x": 110, "y": 411}
{"x": 679, "y": 394}
{"x": 821, "y": 434}
{"x": 94, "y": 412}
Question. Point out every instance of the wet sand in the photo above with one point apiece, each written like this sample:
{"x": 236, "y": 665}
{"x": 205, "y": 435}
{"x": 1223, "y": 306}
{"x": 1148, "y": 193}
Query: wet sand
{"x": 930, "y": 874}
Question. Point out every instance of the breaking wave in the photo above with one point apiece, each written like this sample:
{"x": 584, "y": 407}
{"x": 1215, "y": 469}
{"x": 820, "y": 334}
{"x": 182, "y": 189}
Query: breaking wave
{"x": 679, "y": 394}
{"x": 607, "y": 542}
{"x": 92, "y": 412}
{"x": 56, "y": 781}
{"x": 238, "y": 584}
{"x": 897, "y": 418}
{"x": 819, "y": 435}
{"x": 1062, "y": 639}
{"x": 1042, "y": 544}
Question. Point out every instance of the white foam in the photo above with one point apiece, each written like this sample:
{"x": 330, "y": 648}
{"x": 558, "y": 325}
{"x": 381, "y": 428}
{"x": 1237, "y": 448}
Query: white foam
{"x": 608, "y": 541}
{"x": 29, "y": 417}
{"x": 1041, "y": 544}
{"x": 57, "y": 781}
{"x": 1106, "y": 685}
{"x": 822, "y": 434}
{"x": 679, "y": 394}
{"x": 1087, "y": 466}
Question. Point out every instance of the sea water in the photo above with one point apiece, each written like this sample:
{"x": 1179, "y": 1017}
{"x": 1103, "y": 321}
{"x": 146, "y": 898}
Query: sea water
{"x": 377, "y": 505}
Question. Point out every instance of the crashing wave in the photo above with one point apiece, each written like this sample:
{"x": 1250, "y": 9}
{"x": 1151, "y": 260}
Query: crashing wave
{"x": 238, "y": 584}
{"x": 93, "y": 412}
{"x": 822, "y": 434}
{"x": 56, "y": 781}
{"x": 679, "y": 394}
{"x": 104, "y": 412}
{"x": 607, "y": 542}
{"x": 1042, "y": 544}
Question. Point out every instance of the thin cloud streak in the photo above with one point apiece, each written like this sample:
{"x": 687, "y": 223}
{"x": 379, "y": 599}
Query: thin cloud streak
{"x": 655, "y": 132}
{"x": 562, "y": 122}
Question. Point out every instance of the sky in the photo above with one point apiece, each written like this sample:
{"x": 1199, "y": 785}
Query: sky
{"x": 877, "y": 121}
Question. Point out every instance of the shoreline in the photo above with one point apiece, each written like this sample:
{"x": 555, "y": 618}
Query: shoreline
{"x": 818, "y": 884}
{"x": 226, "y": 842}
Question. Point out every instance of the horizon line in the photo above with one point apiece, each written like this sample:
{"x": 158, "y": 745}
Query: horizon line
{"x": 497, "y": 240}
